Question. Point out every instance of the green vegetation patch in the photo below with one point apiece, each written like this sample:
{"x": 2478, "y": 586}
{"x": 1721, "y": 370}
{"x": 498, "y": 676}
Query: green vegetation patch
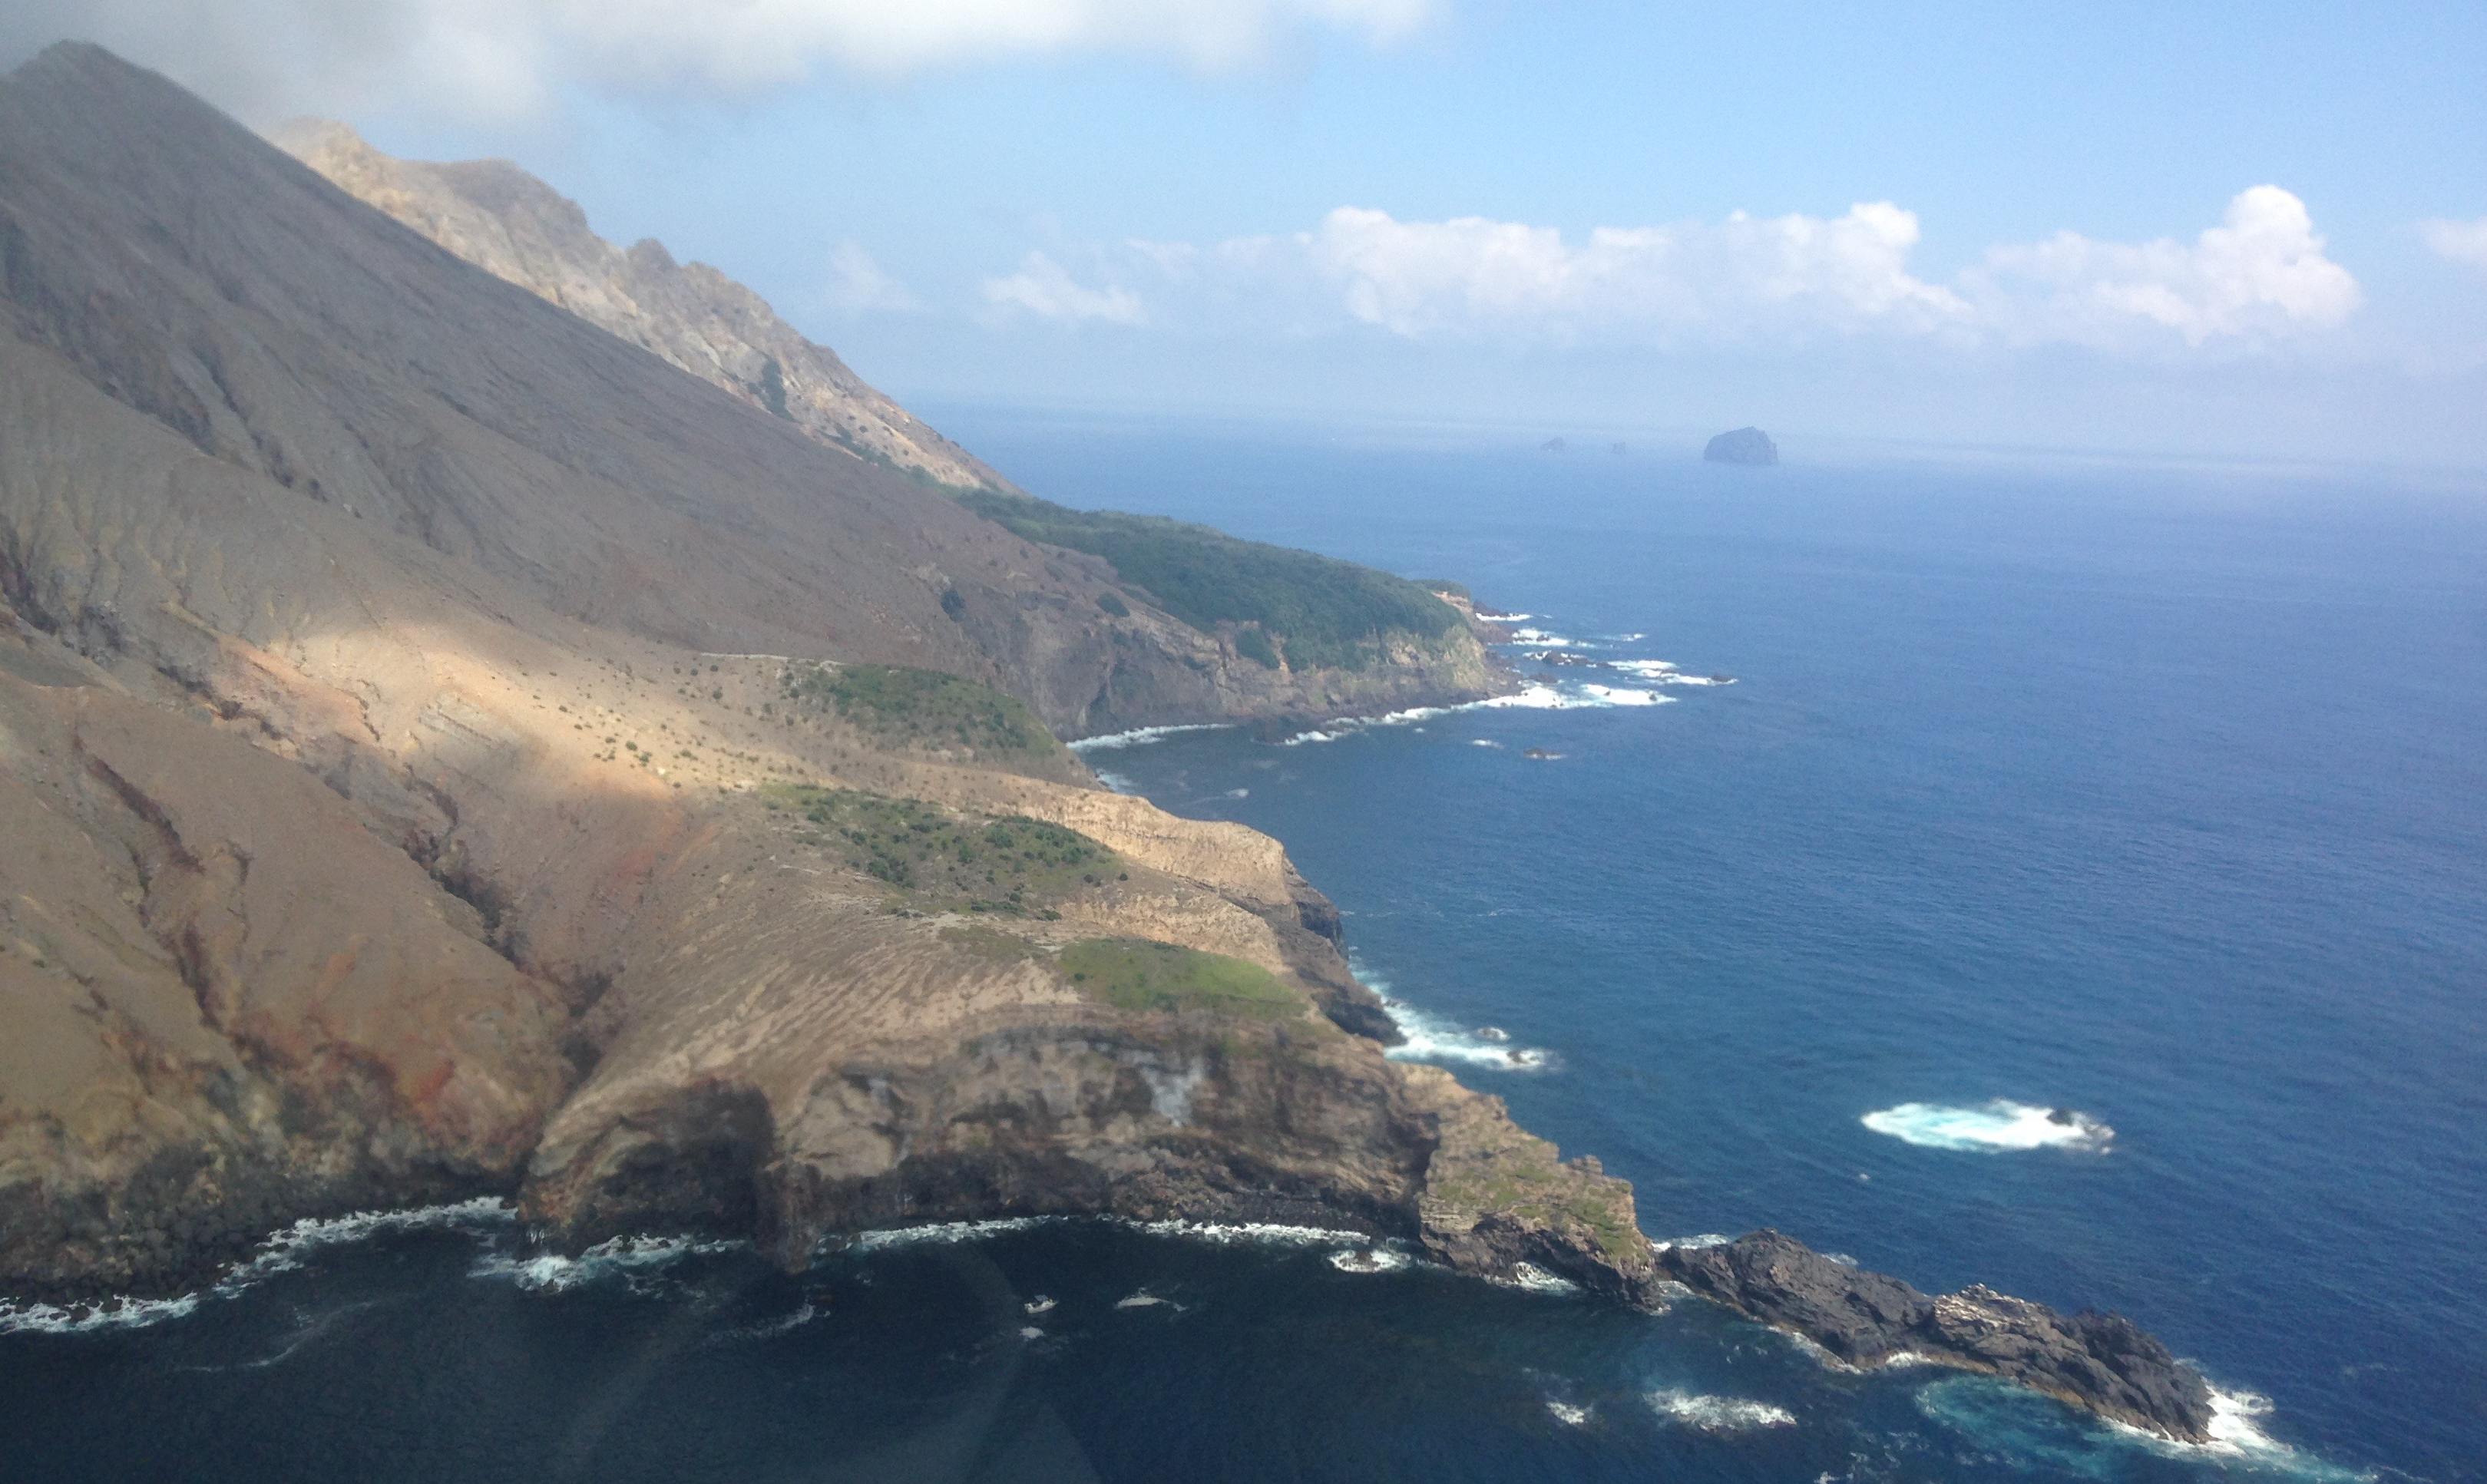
{"x": 1330, "y": 613}
{"x": 898, "y": 707}
{"x": 1254, "y": 644}
{"x": 1010, "y": 866}
{"x": 1531, "y": 1184}
{"x": 1135, "y": 974}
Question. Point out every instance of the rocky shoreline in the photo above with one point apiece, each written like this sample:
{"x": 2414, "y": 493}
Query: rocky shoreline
{"x": 2103, "y": 1362}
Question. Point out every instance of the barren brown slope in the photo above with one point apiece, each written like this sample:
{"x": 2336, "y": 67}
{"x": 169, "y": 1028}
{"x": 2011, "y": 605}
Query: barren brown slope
{"x": 511, "y": 225}
{"x": 202, "y": 277}
{"x": 371, "y": 868}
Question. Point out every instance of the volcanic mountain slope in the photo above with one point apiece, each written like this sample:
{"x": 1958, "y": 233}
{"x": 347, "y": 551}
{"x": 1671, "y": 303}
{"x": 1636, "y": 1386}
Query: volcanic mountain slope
{"x": 515, "y": 227}
{"x": 1319, "y": 635}
{"x": 447, "y": 751}
{"x": 403, "y": 797}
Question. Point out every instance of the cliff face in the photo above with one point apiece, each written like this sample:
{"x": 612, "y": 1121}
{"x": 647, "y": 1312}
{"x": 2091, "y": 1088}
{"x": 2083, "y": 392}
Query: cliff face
{"x": 408, "y": 794}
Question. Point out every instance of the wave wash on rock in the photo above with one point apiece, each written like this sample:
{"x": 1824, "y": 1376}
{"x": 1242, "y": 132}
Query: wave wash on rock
{"x": 446, "y": 751}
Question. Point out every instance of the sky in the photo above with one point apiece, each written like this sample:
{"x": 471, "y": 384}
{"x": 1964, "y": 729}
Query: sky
{"x": 2196, "y": 229}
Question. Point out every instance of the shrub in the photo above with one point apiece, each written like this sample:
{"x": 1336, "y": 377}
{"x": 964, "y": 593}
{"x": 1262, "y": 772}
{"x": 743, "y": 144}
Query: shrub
{"x": 1254, "y": 644}
{"x": 970, "y": 862}
{"x": 895, "y": 704}
{"x": 1331, "y": 613}
{"x": 1135, "y": 974}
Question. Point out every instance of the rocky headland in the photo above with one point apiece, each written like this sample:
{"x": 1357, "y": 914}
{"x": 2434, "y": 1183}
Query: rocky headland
{"x": 448, "y": 751}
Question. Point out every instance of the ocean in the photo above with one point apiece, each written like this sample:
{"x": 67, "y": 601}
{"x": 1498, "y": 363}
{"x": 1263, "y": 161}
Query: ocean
{"x": 1869, "y": 810}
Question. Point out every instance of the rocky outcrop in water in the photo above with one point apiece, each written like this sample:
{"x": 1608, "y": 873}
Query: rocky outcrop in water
{"x": 1744, "y": 445}
{"x": 2101, "y": 1361}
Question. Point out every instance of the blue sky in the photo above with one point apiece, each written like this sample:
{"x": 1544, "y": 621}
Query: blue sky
{"x": 1391, "y": 207}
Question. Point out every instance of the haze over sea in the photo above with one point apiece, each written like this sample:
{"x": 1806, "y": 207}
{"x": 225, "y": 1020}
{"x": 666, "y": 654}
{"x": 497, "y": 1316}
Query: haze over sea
{"x": 2150, "y": 797}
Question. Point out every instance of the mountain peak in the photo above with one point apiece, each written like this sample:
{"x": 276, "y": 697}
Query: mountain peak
{"x": 513, "y": 226}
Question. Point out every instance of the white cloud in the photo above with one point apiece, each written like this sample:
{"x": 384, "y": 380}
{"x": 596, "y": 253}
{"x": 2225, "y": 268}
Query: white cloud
{"x": 2259, "y": 274}
{"x": 1468, "y": 274}
{"x": 1044, "y": 288}
{"x": 858, "y": 284}
{"x": 764, "y": 42}
{"x": 504, "y": 57}
{"x": 2462, "y": 242}
{"x": 2259, "y": 278}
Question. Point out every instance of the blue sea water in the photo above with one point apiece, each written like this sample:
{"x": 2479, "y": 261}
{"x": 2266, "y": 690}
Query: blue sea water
{"x": 2154, "y": 794}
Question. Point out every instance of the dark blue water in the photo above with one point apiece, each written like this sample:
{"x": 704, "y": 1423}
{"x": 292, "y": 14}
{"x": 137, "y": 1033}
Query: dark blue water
{"x": 2154, "y": 794}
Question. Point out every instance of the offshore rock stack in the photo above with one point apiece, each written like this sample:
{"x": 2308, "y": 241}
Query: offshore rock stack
{"x": 1744, "y": 445}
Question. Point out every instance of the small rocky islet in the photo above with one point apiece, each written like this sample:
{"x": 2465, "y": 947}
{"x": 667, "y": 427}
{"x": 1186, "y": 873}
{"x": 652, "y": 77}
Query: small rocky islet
{"x": 1744, "y": 445}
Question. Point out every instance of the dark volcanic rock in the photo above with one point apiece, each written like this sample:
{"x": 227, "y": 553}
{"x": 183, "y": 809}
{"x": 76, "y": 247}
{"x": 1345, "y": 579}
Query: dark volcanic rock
{"x": 1744, "y": 445}
{"x": 2102, "y": 1361}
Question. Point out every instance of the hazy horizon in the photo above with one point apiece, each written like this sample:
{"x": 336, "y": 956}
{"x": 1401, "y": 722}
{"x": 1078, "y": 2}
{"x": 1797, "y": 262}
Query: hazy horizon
{"x": 2190, "y": 232}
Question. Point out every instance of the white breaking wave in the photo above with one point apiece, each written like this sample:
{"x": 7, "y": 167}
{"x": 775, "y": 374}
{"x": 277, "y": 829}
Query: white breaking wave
{"x": 1617, "y": 695}
{"x": 1528, "y": 1278}
{"x": 1664, "y": 673}
{"x": 1141, "y": 737}
{"x": 1247, "y": 1233}
{"x": 1118, "y": 782}
{"x": 1542, "y": 639}
{"x": 945, "y": 1231}
{"x": 280, "y": 1251}
{"x": 1348, "y": 726}
{"x": 1541, "y": 696}
{"x": 1708, "y": 1239}
{"x": 1998, "y": 1127}
{"x": 16, "y": 1318}
{"x": 2238, "y": 1443}
{"x": 1428, "y": 1039}
{"x": 1369, "y": 1260}
{"x": 2236, "y": 1434}
{"x": 1719, "y": 1413}
{"x": 1567, "y": 1413}
{"x": 1546, "y": 696}
{"x": 622, "y": 1257}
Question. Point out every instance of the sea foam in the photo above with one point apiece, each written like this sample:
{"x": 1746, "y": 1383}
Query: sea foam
{"x": 280, "y": 1251}
{"x": 1719, "y": 1413}
{"x": 119, "y": 1313}
{"x": 1430, "y": 1038}
{"x": 628, "y": 1259}
{"x": 1998, "y": 1127}
{"x": 1141, "y": 737}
